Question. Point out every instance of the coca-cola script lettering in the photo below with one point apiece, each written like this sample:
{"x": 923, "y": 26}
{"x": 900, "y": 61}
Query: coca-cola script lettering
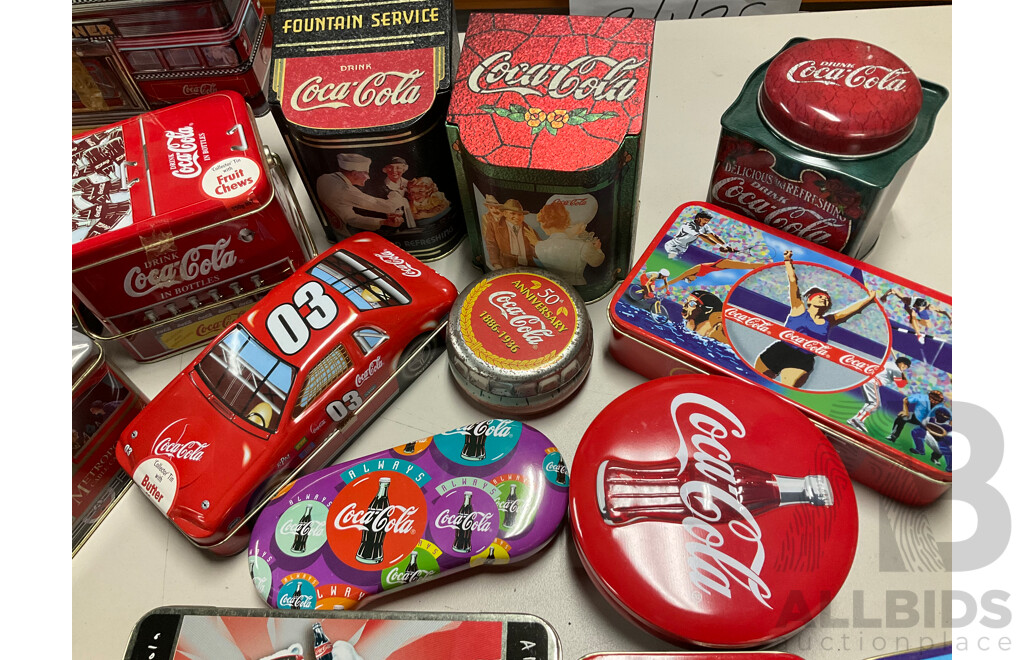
{"x": 350, "y": 518}
{"x": 199, "y": 261}
{"x": 532, "y": 328}
{"x": 703, "y": 425}
{"x": 389, "y": 257}
{"x": 496, "y": 75}
{"x": 183, "y": 451}
{"x": 378, "y": 89}
{"x": 314, "y": 528}
{"x": 476, "y": 521}
{"x": 868, "y": 76}
{"x": 182, "y": 144}
{"x": 499, "y": 428}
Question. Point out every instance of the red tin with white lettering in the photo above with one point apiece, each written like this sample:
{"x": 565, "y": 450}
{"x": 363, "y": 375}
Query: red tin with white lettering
{"x": 821, "y": 138}
{"x": 865, "y": 354}
{"x": 710, "y": 513}
{"x": 286, "y": 387}
{"x": 180, "y": 220}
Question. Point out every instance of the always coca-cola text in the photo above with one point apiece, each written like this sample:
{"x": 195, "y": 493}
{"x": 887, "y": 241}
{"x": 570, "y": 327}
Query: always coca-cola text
{"x": 496, "y": 75}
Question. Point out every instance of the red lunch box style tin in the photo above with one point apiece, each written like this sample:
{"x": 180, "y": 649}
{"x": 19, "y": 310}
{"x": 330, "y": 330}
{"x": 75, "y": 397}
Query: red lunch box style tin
{"x": 180, "y": 220}
{"x": 710, "y": 513}
{"x": 103, "y": 401}
{"x": 866, "y": 354}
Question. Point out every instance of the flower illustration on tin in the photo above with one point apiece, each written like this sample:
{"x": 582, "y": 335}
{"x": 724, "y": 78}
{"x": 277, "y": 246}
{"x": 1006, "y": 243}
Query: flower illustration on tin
{"x": 540, "y": 120}
{"x": 846, "y": 198}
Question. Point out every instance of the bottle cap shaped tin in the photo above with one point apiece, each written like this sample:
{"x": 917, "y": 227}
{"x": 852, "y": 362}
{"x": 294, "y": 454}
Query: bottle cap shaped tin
{"x": 519, "y": 341}
{"x": 840, "y": 97}
{"x": 491, "y": 492}
{"x": 711, "y": 513}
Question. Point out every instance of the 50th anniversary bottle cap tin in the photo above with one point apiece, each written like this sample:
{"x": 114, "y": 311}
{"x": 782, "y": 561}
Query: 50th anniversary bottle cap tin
{"x": 711, "y": 513}
{"x": 866, "y": 354}
{"x": 546, "y": 127}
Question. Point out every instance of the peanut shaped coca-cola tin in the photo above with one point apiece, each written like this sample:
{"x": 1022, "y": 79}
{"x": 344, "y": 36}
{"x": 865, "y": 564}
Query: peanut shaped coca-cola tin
{"x": 180, "y": 220}
{"x": 491, "y": 492}
{"x": 710, "y": 512}
{"x": 546, "y": 127}
{"x": 866, "y": 354}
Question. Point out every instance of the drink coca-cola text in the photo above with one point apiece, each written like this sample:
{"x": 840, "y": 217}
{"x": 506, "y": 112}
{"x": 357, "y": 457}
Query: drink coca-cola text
{"x": 496, "y": 75}
{"x": 184, "y": 153}
{"x": 192, "y": 265}
{"x": 378, "y": 89}
{"x": 867, "y": 76}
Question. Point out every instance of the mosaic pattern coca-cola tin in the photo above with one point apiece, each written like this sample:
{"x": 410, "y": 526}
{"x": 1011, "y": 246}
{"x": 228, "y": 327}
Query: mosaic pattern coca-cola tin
{"x": 820, "y": 140}
{"x": 711, "y": 513}
{"x": 866, "y": 354}
{"x": 103, "y": 401}
{"x": 546, "y": 127}
{"x": 491, "y": 492}
{"x": 360, "y": 92}
{"x": 180, "y": 220}
{"x": 520, "y": 341}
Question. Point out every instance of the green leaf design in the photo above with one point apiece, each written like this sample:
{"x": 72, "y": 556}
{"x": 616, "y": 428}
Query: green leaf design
{"x": 517, "y": 116}
{"x": 575, "y": 121}
{"x": 517, "y": 109}
{"x": 577, "y": 112}
{"x": 550, "y": 129}
{"x": 501, "y": 112}
{"x": 537, "y": 129}
{"x": 609, "y": 114}
{"x": 593, "y": 117}
{"x": 488, "y": 108}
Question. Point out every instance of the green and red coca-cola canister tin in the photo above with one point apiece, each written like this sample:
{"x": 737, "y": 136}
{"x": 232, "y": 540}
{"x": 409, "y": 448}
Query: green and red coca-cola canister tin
{"x": 546, "y": 130}
{"x": 820, "y": 140}
{"x": 360, "y": 92}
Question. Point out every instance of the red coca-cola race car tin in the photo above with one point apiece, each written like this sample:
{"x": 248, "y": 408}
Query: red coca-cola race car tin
{"x": 286, "y": 387}
{"x": 709, "y": 512}
{"x": 180, "y": 220}
{"x": 866, "y": 354}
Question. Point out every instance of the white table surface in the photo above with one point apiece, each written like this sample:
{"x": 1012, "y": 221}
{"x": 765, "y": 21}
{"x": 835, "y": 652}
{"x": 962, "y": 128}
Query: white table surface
{"x": 136, "y": 561}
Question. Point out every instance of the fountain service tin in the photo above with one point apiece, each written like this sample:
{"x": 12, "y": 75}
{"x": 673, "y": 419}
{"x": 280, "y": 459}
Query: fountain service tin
{"x": 866, "y": 354}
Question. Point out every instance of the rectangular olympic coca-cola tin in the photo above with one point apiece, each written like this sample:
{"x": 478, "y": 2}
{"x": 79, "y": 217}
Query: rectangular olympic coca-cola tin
{"x": 180, "y": 220}
{"x": 866, "y": 354}
{"x": 546, "y": 130}
{"x": 360, "y": 91}
{"x": 103, "y": 401}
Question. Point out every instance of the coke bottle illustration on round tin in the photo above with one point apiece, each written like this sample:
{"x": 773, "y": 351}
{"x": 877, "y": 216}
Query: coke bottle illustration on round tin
{"x": 321, "y": 644}
{"x": 371, "y": 546}
{"x": 510, "y": 506}
{"x": 412, "y": 571}
{"x": 464, "y": 525}
{"x": 297, "y": 597}
{"x": 475, "y": 448}
{"x": 633, "y": 492}
{"x": 561, "y": 471}
{"x": 302, "y": 531}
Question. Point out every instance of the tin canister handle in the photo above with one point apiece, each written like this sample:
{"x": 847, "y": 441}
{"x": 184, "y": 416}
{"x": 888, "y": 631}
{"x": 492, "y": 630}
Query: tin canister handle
{"x": 125, "y": 183}
{"x": 237, "y": 128}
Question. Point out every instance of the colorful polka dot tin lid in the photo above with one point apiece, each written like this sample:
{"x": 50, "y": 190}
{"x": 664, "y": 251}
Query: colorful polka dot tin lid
{"x": 710, "y": 513}
{"x": 491, "y": 492}
{"x": 840, "y": 97}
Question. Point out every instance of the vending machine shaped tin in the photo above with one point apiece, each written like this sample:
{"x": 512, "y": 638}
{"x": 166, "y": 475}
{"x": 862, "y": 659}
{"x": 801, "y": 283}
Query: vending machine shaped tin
{"x": 360, "y": 94}
{"x": 546, "y": 130}
{"x": 180, "y": 220}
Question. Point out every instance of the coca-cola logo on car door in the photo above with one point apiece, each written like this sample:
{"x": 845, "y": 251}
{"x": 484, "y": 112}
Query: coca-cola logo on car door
{"x": 376, "y": 520}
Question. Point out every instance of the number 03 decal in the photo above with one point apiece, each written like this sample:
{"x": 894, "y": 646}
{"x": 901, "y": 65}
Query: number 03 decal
{"x": 290, "y": 328}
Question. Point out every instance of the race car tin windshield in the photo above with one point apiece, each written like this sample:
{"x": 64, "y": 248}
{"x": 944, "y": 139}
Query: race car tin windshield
{"x": 362, "y": 284}
{"x": 249, "y": 379}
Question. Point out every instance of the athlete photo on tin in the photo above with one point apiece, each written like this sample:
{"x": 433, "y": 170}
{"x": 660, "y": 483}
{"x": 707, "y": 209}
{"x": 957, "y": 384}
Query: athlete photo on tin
{"x": 921, "y": 315}
{"x": 693, "y": 230}
{"x": 806, "y": 326}
{"x": 702, "y": 314}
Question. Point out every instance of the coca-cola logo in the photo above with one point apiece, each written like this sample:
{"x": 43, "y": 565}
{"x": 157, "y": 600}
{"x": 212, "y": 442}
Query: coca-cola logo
{"x": 557, "y": 468}
{"x": 476, "y": 521}
{"x": 499, "y": 428}
{"x": 191, "y": 450}
{"x": 508, "y": 506}
{"x": 496, "y": 75}
{"x": 309, "y": 528}
{"x": 389, "y": 257}
{"x": 377, "y": 520}
{"x": 184, "y": 149}
{"x": 215, "y": 327}
{"x": 712, "y": 558}
{"x": 377, "y": 89}
{"x": 397, "y": 576}
{"x": 198, "y": 261}
{"x": 371, "y": 369}
{"x": 532, "y": 328}
{"x": 860, "y": 364}
{"x": 296, "y": 601}
{"x": 748, "y": 320}
{"x": 867, "y": 76}
{"x": 198, "y": 90}
{"x": 807, "y": 343}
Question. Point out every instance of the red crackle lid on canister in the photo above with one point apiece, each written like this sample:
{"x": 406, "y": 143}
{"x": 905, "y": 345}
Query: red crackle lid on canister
{"x": 711, "y": 513}
{"x": 841, "y": 97}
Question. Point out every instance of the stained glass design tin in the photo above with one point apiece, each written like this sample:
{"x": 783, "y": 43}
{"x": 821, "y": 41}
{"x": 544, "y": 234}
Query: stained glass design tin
{"x": 711, "y": 513}
{"x": 820, "y": 140}
{"x": 486, "y": 493}
{"x": 180, "y": 220}
{"x": 546, "y": 129}
{"x": 360, "y": 92}
{"x": 103, "y": 401}
{"x": 520, "y": 341}
{"x": 866, "y": 354}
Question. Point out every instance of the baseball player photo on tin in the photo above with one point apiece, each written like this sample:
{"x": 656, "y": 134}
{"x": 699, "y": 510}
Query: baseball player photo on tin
{"x": 865, "y": 349}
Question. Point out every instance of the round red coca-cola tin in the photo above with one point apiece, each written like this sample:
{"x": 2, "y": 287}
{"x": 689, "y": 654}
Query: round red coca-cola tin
{"x": 840, "y": 97}
{"x": 710, "y": 513}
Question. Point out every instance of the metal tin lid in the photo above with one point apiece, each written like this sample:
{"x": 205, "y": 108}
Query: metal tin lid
{"x": 711, "y": 513}
{"x": 519, "y": 340}
{"x": 840, "y": 97}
